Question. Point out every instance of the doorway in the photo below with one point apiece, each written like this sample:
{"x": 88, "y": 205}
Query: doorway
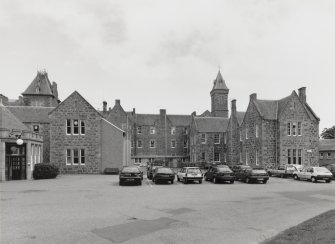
{"x": 15, "y": 162}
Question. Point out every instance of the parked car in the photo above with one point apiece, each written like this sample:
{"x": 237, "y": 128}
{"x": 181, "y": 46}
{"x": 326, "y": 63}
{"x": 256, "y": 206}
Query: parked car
{"x": 130, "y": 174}
{"x": 238, "y": 170}
{"x": 163, "y": 174}
{"x": 331, "y": 168}
{"x": 188, "y": 174}
{"x": 314, "y": 174}
{"x": 249, "y": 175}
{"x": 220, "y": 173}
{"x": 150, "y": 171}
{"x": 284, "y": 171}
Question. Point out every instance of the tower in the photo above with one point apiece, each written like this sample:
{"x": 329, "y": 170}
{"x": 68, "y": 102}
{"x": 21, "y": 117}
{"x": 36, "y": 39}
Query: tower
{"x": 219, "y": 97}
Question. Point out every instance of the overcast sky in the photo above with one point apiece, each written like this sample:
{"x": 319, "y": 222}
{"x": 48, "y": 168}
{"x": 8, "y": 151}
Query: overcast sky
{"x": 154, "y": 54}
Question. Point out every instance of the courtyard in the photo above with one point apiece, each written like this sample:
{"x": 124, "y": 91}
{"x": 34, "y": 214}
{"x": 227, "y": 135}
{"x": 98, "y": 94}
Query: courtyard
{"x": 95, "y": 209}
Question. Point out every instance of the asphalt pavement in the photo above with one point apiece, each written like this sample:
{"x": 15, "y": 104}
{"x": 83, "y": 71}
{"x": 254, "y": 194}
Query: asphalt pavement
{"x": 95, "y": 209}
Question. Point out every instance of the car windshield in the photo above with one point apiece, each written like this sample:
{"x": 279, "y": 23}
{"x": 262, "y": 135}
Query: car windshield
{"x": 164, "y": 170}
{"x": 321, "y": 170}
{"x": 194, "y": 171}
{"x": 291, "y": 167}
{"x": 130, "y": 170}
{"x": 259, "y": 171}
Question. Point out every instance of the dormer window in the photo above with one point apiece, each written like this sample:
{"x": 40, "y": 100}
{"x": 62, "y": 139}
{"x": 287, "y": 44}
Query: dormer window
{"x": 37, "y": 89}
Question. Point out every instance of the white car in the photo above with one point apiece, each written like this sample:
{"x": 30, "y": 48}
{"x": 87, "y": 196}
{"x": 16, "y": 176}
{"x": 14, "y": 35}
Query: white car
{"x": 187, "y": 174}
{"x": 313, "y": 174}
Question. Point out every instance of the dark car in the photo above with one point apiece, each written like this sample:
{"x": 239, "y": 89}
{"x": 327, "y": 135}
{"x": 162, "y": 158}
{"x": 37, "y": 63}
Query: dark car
{"x": 220, "y": 173}
{"x": 150, "y": 171}
{"x": 331, "y": 168}
{"x": 131, "y": 174}
{"x": 238, "y": 170}
{"x": 254, "y": 175}
{"x": 163, "y": 174}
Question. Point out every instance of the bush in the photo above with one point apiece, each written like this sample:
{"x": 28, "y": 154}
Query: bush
{"x": 45, "y": 171}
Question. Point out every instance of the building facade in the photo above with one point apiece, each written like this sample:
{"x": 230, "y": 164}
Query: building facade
{"x": 326, "y": 152}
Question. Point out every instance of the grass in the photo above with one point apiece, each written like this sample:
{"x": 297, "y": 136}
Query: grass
{"x": 320, "y": 229}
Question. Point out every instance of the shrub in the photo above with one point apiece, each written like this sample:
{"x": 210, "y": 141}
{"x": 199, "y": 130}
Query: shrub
{"x": 45, "y": 171}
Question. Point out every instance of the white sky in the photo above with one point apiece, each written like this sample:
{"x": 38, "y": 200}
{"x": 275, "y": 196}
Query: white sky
{"x": 156, "y": 54}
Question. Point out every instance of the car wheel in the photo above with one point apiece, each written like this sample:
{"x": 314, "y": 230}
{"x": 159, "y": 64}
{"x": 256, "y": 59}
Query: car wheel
{"x": 171, "y": 181}
{"x": 328, "y": 181}
{"x": 184, "y": 181}
{"x": 281, "y": 176}
{"x": 231, "y": 182}
{"x": 206, "y": 179}
{"x": 295, "y": 177}
{"x": 313, "y": 180}
{"x": 215, "y": 180}
{"x": 178, "y": 179}
{"x": 247, "y": 180}
{"x": 265, "y": 181}
{"x": 270, "y": 174}
{"x": 200, "y": 181}
{"x": 156, "y": 182}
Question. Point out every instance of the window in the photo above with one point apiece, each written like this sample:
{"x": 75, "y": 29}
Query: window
{"x": 321, "y": 156}
{"x": 139, "y": 143}
{"x": 152, "y": 130}
{"x": 294, "y": 128}
{"x": 152, "y": 144}
{"x": 185, "y": 143}
{"x": 82, "y": 156}
{"x": 216, "y": 138}
{"x": 203, "y": 156}
{"x": 173, "y": 130}
{"x": 185, "y": 131}
{"x": 36, "y": 128}
{"x": 75, "y": 127}
{"x": 240, "y": 157}
{"x": 131, "y": 143}
{"x": 294, "y": 156}
{"x": 75, "y": 156}
{"x": 68, "y": 157}
{"x": 246, "y": 157}
{"x": 240, "y": 134}
{"x": 256, "y": 131}
{"x": 203, "y": 138}
{"x": 299, "y": 128}
{"x": 37, "y": 90}
{"x": 289, "y": 129}
{"x": 289, "y": 156}
{"x": 216, "y": 156}
{"x": 68, "y": 127}
{"x": 225, "y": 138}
{"x": 299, "y": 156}
{"x": 256, "y": 158}
{"x": 328, "y": 155}
{"x": 246, "y": 133}
{"x": 139, "y": 129}
{"x": 82, "y": 127}
{"x": 173, "y": 143}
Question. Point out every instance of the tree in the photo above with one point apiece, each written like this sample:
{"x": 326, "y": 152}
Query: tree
{"x": 328, "y": 133}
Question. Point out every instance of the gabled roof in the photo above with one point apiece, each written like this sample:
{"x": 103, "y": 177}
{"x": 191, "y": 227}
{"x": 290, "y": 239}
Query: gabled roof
{"x": 267, "y": 108}
{"x": 42, "y": 82}
{"x": 180, "y": 120}
{"x": 76, "y": 93}
{"x": 327, "y": 145}
{"x": 28, "y": 114}
{"x": 219, "y": 83}
{"x": 211, "y": 124}
{"x": 146, "y": 119}
{"x": 206, "y": 114}
{"x": 9, "y": 121}
{"x": 240, "y": 117}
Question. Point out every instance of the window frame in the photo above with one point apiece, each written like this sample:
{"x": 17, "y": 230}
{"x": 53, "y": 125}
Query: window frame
{"x": 217, "y": 155}
{"x": 152, "y": 130}
{"x": 154, "y": 143}
{"x": 138, "y": 143}
{"x": 139, "y": 129}
{"x": 173, "y": 130}
{"x": 203, "y": 138}
{"x": 299, "y": 129}
{"x": 217, "y": 138}
{"x": 175, "y": 143}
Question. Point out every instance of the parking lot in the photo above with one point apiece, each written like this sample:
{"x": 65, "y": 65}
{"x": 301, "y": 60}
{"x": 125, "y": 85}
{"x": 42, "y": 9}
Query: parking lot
{"x": 95, "y": 209}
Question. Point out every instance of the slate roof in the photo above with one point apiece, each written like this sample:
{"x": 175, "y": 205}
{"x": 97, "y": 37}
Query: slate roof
{"x": 31, "y": 114}
{"x": 42, "y": 81}
{"x": 219, "y": 83}
{"x": 211, "y": 124}
{"x": 9, "y": 121}
{"x": 150, "y": 119}
{"x": 267, "y": 108}
{"x": 327, "y": 145}
{"x": 180, "y": 120}
{"x": 240, "y": 117}
{"x": 206, "y": 114}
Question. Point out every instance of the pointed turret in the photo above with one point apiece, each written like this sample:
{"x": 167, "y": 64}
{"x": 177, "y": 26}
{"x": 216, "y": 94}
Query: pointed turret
{"x": 219, "y": 96}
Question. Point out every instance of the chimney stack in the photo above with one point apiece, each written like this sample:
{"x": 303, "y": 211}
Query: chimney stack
{"x": 253, "y": 96}
{"x": 104, "y": 106}
{"x": 134, "y": 111}
{"x": 194, "y": 114}
{"x": 302, "y": 94}
{"x": 162, "y": 112}
{"x": 117, "y": 102}
{"x": 233, "y": 106}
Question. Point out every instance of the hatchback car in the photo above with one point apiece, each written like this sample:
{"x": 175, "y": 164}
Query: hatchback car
{"x": 254, "y": 175}
{"x": 188, "y": 174}
{"x": 130, "y": 174}
{"x": 238, "y": 170}
{"x": 163, "y": 174}
{"x": 314, "y": 174}
{"x": 220, "y": 173}
{"x": 331, "y": 168}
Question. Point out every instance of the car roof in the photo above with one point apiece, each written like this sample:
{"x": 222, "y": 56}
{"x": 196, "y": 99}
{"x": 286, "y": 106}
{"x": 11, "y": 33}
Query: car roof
{"x": 191, "y": 168}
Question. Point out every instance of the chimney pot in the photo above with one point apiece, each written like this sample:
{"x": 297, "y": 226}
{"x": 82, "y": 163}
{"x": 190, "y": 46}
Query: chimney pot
{"x": 117, "y": 102}
{"x": 233, "y": 106}
{"x": 104, "y": 106}
{"x": 134, "y": 111}
{"x": 302, "y": 94}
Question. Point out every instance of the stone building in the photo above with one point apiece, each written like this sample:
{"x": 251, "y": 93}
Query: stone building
{"x": 277, "y": 132}
{"x": 327, "y": 152}
{"x": 82, "y": 140}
